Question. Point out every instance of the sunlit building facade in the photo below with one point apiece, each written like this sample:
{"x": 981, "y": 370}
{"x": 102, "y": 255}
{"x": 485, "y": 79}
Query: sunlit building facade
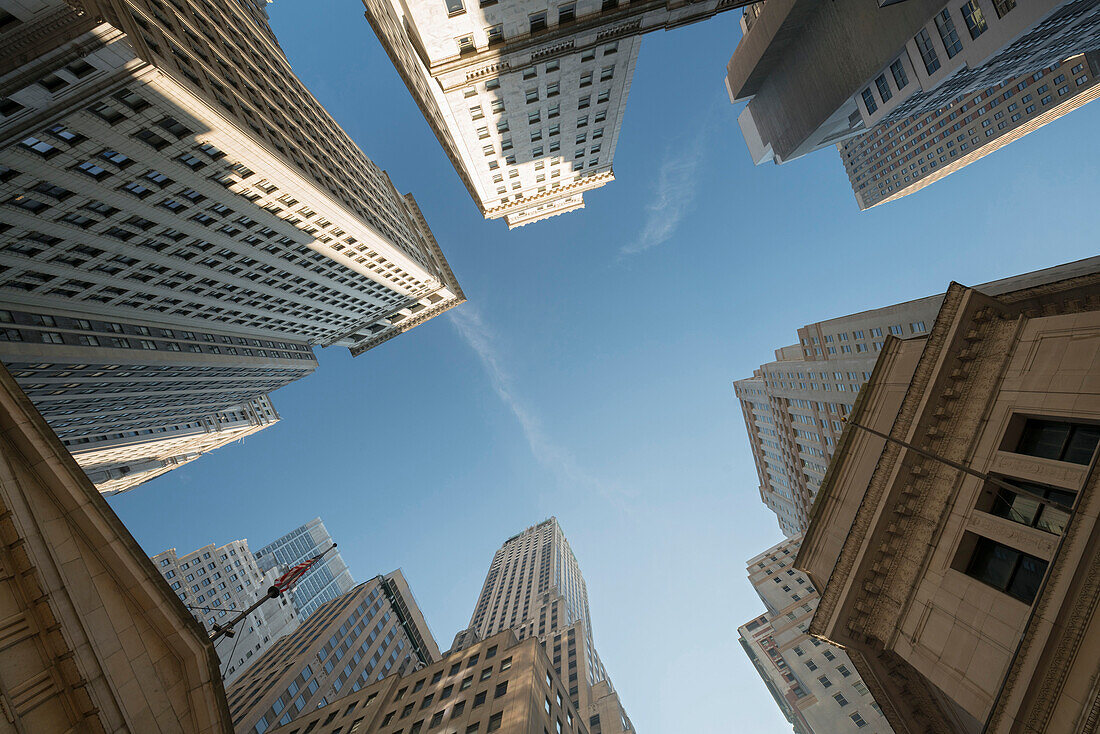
{"x": 325, "y": 580}
{"x": 179, "y": 213}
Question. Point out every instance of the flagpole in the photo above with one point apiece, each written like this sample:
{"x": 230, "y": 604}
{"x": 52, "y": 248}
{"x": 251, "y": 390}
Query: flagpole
{"x": 273, "y": 592}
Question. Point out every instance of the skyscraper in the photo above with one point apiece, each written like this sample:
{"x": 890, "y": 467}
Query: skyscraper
{"x": 814, "y": 683}
{"x": 180, "y": 220}
{"x": 535, "y": 588}
{"x": 818, "y": 73}
{"x": 526, "y": 101}
{"x": 121, "y": 462}
{"x": 794, "y": 407}
{"x": 216, "y": 583}
{"x": 360, "y": 637}
{"x": 325, "y": 580}
{"x": 883, "y": 166}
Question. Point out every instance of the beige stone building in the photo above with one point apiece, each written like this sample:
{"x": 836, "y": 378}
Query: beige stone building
{"x": 526, "y": 97}
{"x": 91, "y": 637}
{"x": 501, "y": 684}
{"x": 892, "y": 161}
{"x": 215, "y": 583}
{"x": 181, "y": 222}
{"x": 967, "y": 598}
{"x": 815, "y": 684}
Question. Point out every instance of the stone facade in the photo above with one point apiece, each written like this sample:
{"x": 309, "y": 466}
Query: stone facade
{"x": 967, "y": 602}
{"x": 815, "y": 684}
{"x": 217, "y": 582}
{"x": 526, "y": 97}
{"x": 91, "y": 637}
{"x": 892, "y": 161}
{"x": 500, "y": 684}
{"x": 816, "y": 74}
{"x": 176, "y": 207}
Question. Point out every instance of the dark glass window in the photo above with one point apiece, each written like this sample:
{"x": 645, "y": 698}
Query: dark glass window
{"x": 975, "y": 21}
{"x": 883, "y": 88}
{"x": 927, "y": 51}
{"x": 869, "y": 101}
{"x": 1032, "y": 511}
{"x": 1059, "y": 440}
{"x": 948, "y": 34}
{"x": 1007, "y": 569}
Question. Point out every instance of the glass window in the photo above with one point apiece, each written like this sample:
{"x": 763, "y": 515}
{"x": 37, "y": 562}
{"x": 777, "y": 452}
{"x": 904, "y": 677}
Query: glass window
{"x": 883, "y": 91}
{"x": 948, "y": 34}
{"x": 927, "y": 51}
{"x": 975, "y": 21}
{"x": 454, "y": 7}
{"x": 1029, "y": 509}
{"x": 1007, "y": 569}
{"x": 869, "y": 101}
{"x": 1058, "y": 440}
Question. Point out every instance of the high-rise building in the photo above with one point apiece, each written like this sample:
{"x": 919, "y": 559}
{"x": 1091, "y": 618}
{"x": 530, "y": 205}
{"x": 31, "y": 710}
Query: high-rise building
{"x": 814, "y": 683}
{"x": 92, "y": 638}
{"x": 535, "y": 588}
{"x": 500, "y": 685}
{"x": 526, "y": 101}
{"x": 180, "y": 220}
{"x": 116, "y": 464}
{"x": 890, "y": 162}
{"x": 371, "y": 632}
{"x": 818, "y": 73}
{"x": 794, "y": 407}
{"x": 324, "y": 581}
{"x": 218, "y": 582}
{"x": 962, "y": 579}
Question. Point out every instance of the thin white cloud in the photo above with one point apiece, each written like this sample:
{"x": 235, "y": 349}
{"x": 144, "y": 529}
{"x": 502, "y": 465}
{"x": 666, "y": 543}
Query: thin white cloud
{"x": 559, "y": 460}
{"x": 674, "y": 196}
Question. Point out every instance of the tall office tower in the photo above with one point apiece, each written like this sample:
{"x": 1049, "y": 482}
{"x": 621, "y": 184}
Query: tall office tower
{"x": 814, "y": 683}
{"x": 883, "y": 166}
{"x": 516, "y": 692}
{"x": 325, "y": 580}
{"x": 818, "y": 73}
{"x": 535, "y": 588}
{"x": 527, "y": 100}
{"x": 794, "y": 406}
{"x": 371, "y": 632}
{"x": 116, "y": 464}
{"x": 217, "y": 582}
{"x": 180, "y": 220}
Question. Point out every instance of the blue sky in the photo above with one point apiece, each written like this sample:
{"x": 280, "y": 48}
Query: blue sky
{"x": 589, "y": 375}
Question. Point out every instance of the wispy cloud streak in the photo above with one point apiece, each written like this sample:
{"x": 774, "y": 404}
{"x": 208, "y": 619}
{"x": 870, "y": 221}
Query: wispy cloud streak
{"x": 674, "y": 196}
{"x": 473, "y": 330}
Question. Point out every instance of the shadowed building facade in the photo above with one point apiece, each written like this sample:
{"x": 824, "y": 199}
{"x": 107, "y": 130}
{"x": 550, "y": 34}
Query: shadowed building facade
{"x": 526, "y": 97}
{"x": 92, "y": 639}
{"x": 181, "y": 222}
{"x": 968, "y": 602}
{"x": 816, "y": 74}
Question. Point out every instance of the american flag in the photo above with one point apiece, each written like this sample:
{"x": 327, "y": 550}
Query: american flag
{"x": 284, "y": 582}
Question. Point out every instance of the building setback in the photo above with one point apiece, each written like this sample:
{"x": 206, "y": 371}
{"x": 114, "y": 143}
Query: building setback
{"x": 883, "y": 166}
{"x": 535, "y": 588}
{"x": 180, "y": 220}
{"x": 325, "y": 580}
{"x": 93, "y": 639}
{"x": 526, "y": 101}
{"x": 499, "y": 684}
{"x": 794, "y": 407}
{"x": 967, "y": 601}
{"x": 217, "y": 582}
{"x": 814, "y": 683}
{"x": 352, "y": 641}
{"x": 816, "y": 74}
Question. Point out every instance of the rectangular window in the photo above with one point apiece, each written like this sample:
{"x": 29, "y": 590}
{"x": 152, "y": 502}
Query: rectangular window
{"x": 567, "y": 13}
{"x": 495, "y": 34}
{"x": 538, "y": 21}
{"x": 454, "y": 7}
{"x": 883, "y": 88}
{"x": 869, "y": 101}
{"x": 1029, "y": 508}
{"x": 1058, "y": 440}
{"x": 927, "y": 51}
{"x": 1003, "y": 7}
{"x": 1006, "y": 569}
{"x": 948, "y": 34}
{"x": 975, "y": 21}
